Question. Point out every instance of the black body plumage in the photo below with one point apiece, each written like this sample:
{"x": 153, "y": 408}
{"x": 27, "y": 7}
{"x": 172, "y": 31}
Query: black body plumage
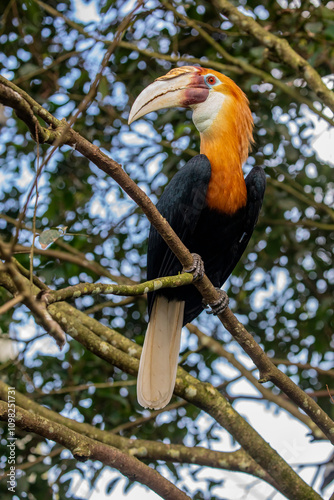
{"x": 220, "y": 239}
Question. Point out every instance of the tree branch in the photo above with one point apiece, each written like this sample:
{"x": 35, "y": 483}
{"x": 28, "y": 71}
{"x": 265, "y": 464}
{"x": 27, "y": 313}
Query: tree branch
{"x": 84, "y": 448}
{"x": 123, "y": 353}
{"x": 267, "y": 394}
{"x": 11, "y": 303}
{"x": 269, "y": 372}
{"x": 302, "y": 366}
{"x": 204, "y": 286}
{"x": 73, "y": 292}
{"x": 237, "y": 461}
{"x": 237, "y": 66}
{"x": 13, "y": 99}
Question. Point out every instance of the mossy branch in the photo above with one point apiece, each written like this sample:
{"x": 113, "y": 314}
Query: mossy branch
{"x": 237, "y": 461}
{"x": 125, "y": 354}
{"x": 84, "y": 448}
{"x": 73, "y": 292}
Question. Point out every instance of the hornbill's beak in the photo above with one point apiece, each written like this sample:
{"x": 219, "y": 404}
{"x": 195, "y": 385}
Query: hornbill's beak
{"x": 180, "y": 87}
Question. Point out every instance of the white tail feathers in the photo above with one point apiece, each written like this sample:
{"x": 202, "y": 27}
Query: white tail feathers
{"x": 159, "y": 359}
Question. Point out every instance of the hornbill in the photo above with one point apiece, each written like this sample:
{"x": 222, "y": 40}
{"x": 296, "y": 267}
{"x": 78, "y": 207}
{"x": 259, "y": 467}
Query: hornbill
{"x": 208, "y": 203}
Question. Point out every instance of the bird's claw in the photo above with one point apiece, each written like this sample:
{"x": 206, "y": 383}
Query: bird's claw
{"x": 197, "y": 268}
{"x": 219, "y": 306}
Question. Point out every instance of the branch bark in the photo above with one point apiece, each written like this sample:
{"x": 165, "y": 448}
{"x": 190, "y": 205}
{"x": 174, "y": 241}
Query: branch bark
{"x": 237, "y": 461}
{"x": 84, "y": 448}
{"x": 73, "y": 292}
{"x": 267, "y": 394}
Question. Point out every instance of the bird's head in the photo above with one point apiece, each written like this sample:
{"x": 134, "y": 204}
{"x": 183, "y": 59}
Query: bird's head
{"x": 222, "y": 116}
{"x": 218, "y": 104}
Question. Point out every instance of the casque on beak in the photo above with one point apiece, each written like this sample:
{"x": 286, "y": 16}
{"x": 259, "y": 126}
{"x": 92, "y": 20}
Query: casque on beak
{"x": 180, "y": 87}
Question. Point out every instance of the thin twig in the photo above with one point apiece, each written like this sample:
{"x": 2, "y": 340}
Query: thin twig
{"x": 302, "y": 366}
{"x": 79, "y": 260}
{"x": 11, "y": 303}
{"x": 35, "y": 212}
{"x": 38, "y": 309}
{"x": 84, "y": 387}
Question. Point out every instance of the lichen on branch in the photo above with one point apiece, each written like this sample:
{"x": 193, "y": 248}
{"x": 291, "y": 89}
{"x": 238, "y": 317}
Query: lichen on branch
{"x": 73, "y": 292}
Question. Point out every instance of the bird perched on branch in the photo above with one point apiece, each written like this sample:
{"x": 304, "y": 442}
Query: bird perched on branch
{"x": 210, "y": 206}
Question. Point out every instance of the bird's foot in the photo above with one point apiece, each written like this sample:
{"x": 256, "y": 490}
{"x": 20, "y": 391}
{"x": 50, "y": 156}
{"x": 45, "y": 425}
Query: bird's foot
{"x": 197, "y": 269}
{"x": 219, "y": 305}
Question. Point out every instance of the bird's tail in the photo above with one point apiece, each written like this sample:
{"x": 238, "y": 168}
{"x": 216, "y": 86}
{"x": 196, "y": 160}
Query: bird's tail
{"x": 159, "y": 358}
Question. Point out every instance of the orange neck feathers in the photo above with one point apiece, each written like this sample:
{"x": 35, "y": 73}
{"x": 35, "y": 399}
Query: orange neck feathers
{"x": 226, "y": 144}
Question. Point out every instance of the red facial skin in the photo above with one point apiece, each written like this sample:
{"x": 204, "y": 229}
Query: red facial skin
{"x": 196, "y": 92}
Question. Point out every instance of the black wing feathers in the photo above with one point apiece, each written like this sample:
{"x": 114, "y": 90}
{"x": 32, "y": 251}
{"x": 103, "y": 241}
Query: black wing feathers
{"x": 181, "y": 204}
{"x": 219, "y": 238}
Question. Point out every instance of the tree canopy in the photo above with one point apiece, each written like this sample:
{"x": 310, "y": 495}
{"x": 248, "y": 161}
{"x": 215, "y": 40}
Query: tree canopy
{"x": 75, "y": 184}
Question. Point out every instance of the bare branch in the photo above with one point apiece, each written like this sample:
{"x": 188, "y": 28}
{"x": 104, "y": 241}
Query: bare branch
{"x": 269, "y": 372}
{"x": 11, "y": 303}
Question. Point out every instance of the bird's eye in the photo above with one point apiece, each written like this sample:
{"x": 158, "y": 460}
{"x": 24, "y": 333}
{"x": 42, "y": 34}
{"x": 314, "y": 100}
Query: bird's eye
{"x": 211, "y": 80}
